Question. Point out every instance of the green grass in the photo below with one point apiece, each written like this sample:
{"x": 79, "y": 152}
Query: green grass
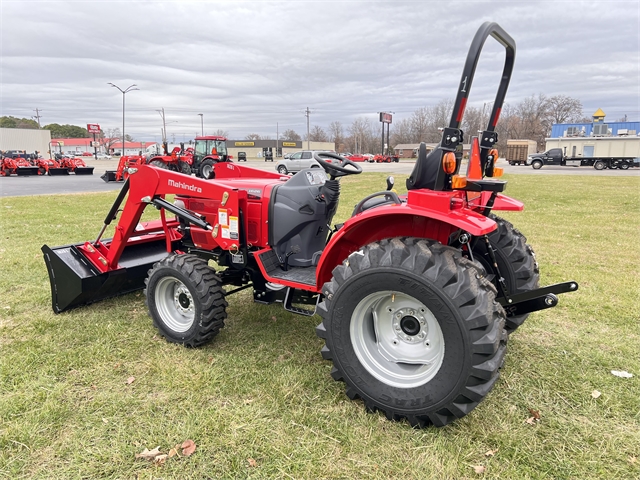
{"x": 261, "y": 390}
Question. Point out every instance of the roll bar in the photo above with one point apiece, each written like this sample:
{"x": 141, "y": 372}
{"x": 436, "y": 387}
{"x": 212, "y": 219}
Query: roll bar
{"x": 428, "y": 172}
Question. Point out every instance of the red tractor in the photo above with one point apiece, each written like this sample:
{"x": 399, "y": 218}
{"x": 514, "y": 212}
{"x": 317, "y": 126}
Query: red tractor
{"x": 122, "y": 172}
{"x": 385, "y": 158}
{"x": 49, "y": 166}
{"x": 14, "y": 162}
{"x": 417, "y": 293}
{"x": 208, "y": 151}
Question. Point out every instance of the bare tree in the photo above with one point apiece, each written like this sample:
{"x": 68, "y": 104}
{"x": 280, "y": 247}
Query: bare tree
{"x": 420, "y": 120}
{"x": 336, "y": 135}
{"x": 290, "y": 136}
{"x": 401, "y": 132}
{"x": 221, "y": 133}
{"x": 109, "y": 138}
{"x": 564, "y": 109}
{"x": 253, "y": 136}
{"x": 317, "y": 134}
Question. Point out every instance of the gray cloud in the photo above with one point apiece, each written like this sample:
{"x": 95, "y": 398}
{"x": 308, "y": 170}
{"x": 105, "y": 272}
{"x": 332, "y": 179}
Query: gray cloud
{"x": 248, "y": 65}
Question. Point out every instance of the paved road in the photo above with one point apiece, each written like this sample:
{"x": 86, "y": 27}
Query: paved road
{"x": 45, "y": 185}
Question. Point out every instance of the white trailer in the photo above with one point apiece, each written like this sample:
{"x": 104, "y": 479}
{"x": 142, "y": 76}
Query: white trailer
{"x": 598, "y": 152}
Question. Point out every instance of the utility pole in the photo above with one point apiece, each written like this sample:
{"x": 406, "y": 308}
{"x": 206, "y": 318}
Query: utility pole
{"x": 277, "y": 139}
{"x": 202, "y": 123}
{"x": 307, "y": 113}
{"x": 37, "y": 116}
{"x": 164, "y": 125}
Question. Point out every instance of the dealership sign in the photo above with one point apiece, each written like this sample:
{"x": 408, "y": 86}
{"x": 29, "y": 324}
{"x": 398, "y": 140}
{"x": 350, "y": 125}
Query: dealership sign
{"x": 385, "y": 117}
{"x": 93, "y": 128}
{"x": 288, "y": 144}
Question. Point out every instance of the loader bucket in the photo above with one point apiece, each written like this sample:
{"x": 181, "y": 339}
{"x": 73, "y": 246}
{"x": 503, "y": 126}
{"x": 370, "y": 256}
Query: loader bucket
{"x": 109, "y": 176}
{"x": 58, "y": 171}
{"x": 27, "y": 171}
{"x": 83, "y": 170}
{"x": 75, "y": 281}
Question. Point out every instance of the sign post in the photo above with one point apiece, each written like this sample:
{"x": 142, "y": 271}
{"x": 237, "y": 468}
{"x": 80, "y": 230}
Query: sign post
{"x": 385, "y": 118}
{"x": 94, "y": 128}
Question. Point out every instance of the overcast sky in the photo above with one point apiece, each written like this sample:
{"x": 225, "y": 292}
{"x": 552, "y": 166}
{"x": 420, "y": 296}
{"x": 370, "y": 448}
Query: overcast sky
{"x": 248, "y": 66}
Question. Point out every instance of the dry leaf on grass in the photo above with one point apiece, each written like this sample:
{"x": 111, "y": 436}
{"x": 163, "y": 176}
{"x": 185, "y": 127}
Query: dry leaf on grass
{"x": 491, "y": 453}
{"x": 595, "y": 394}
{"x": 535, "y": 413}
{"x": 160, "y": 459}
{"x": 621, "y": 374}
{"x": 633, "y": 460}
{"x": 174, "y": 451}
{"x": 188, "y": 447}
{"x": 147, "y": 454}
{"x": 252, "y": 462}
{"x": 130, "y": 380}
{"x": 479, "y": 469}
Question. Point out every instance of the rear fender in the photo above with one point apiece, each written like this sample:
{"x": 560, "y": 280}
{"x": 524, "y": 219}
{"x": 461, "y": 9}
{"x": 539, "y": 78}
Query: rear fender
{"x": 397, "y": 221}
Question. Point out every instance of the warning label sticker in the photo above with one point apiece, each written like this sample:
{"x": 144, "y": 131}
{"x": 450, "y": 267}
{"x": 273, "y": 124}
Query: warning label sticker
{"x": 222, "y": 217}
{"x": 233, "y": 227}
{"x": 225, "y": 232}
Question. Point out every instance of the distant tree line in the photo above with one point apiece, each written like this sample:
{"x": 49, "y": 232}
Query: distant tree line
{"x": 530, "y": 119}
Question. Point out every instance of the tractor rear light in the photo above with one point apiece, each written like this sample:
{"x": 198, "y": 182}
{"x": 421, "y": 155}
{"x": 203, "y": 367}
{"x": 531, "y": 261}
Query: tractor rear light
{"x": 498, "y": 171}
{"x": 458, "y": 182}
{"x": 449, "y": 163}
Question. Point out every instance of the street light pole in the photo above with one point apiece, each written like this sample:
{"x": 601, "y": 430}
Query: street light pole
{"x": 128, "y": 89}
{"x": 202, "y": 123}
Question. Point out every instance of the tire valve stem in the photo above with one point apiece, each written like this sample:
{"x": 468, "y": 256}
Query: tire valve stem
{"x": 393, "y": 297}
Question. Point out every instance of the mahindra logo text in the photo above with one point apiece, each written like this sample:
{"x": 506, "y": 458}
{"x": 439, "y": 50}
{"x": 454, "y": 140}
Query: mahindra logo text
{"x": 191, "y": 188}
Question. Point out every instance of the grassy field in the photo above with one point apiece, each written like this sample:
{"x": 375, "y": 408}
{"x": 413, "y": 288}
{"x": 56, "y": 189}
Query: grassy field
{"x": 82, "y": 392}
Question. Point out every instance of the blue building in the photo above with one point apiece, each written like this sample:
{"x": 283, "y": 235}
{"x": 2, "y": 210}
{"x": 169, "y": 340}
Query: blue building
{"x": 598, "y": 128}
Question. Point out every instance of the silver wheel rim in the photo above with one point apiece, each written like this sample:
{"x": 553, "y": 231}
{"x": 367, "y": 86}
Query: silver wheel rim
{"x": 206, "y": 170}
{"x": 175, "y": 304}
{"x": 397, "y": 339}
{"x": 282, "y": 170}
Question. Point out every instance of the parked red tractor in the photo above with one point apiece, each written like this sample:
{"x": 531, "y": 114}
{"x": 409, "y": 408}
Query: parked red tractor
{"x": 416, "y": 293}
{"x": 49, "y": 166}
{"x": 14, "y": 162}
{"x": 385, "y": 158}
{"x": 121, "y": 173}
{"x": 208, "y": 151}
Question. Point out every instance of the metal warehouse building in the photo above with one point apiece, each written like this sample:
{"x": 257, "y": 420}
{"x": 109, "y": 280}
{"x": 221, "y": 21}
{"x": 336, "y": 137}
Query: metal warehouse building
{"x": 27, "y": 139}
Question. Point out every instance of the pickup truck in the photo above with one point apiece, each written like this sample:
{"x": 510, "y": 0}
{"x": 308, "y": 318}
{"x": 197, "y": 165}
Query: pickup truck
{"x": 554, "y": 156}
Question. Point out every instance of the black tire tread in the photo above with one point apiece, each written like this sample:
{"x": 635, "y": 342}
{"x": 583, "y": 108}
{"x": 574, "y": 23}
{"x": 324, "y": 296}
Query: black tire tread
{"x": 522, "y": 259}
{"x": 471, "y": 294}
{"x": 208, "y": 292}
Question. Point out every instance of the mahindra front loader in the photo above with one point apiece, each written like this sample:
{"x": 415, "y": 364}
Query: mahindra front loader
{"x": 417, "y": 293}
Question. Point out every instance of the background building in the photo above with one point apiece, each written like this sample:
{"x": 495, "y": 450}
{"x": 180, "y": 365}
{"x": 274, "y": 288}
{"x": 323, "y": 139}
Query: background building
{"x": 29, "y": 140}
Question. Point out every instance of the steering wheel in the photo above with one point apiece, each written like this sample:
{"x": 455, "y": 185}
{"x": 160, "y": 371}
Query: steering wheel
{"x": 335, "y": 170}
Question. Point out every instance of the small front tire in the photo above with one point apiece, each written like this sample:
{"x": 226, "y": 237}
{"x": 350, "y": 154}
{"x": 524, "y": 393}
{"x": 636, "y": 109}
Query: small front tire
{"x": 536, "y": 164}
{"x": 185, "y": 300}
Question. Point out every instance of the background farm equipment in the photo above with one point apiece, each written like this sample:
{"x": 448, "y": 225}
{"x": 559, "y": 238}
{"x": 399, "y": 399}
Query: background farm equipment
{"x": 16, "y": 163}
{"x": 385, "y": 158}
{"x": 121, "y": 174}
{"x": 75, "y": 164}
{"x": 50, "y": 167}
{"x": 179, "y": 160}
{"x": 417, "y": 293}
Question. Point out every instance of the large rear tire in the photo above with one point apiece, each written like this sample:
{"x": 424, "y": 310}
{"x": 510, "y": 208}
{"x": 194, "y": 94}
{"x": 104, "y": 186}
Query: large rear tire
{"x": 184, "y": 167}
{"x": 206, "y": 169}
{"x": 159, "y": 164}
{"x": 413, "y": 329}
{"x": 516, "y": 261}
{"x": 185, "y": 300}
